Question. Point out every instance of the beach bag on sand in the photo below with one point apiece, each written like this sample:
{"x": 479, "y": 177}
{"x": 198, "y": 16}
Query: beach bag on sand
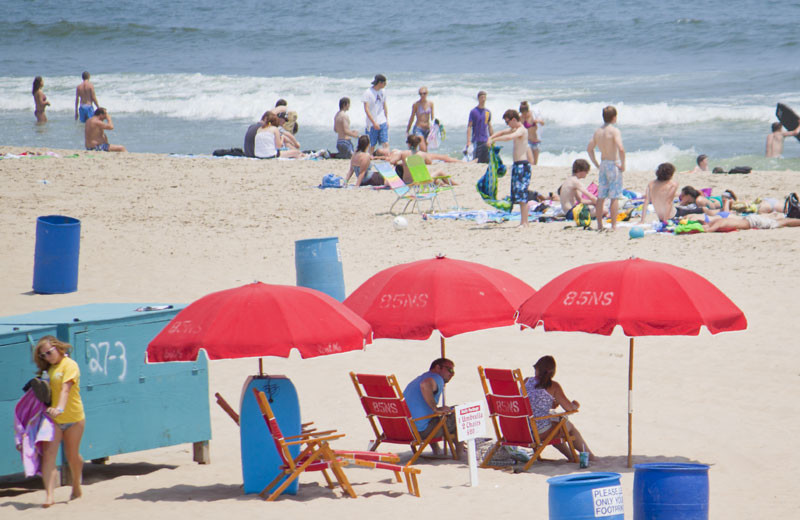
{"x": 582, "y": 216}
{"x": 331, "y": 180}
{"x": 740, "y": 169}
{"x": 791, "y": 208}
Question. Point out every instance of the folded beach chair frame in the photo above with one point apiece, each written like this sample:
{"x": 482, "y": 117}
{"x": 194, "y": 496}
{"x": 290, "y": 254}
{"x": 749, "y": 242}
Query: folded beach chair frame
{"x": 402, "y": 191}
{"x": 317, "y": 455}
{"x": 511, "y": 415}
{"x": 423, "y": 181}
{"x": 389, "y": 416}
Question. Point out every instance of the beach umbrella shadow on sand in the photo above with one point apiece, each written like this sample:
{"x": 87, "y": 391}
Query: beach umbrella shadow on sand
{"x": 645, "y": 298}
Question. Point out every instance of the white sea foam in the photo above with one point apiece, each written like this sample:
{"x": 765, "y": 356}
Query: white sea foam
{"x": 205, "y": 97}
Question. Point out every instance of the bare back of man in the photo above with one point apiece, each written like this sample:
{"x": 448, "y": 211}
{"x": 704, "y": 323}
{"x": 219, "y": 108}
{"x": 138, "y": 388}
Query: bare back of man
{"x": 341, "y": 125}
{"x": 85, "y": 93}
{"x": 86, "y": 98}
{"x": 570, "y": 193}
{"x": 661, "y": 195}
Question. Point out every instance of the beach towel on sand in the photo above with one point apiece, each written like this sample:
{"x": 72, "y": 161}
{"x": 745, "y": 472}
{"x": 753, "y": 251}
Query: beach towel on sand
{"x": 487, "y": 185}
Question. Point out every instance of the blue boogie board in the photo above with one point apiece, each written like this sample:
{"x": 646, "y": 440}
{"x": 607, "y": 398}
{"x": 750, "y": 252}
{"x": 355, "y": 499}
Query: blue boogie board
{"x": 260, "y": 460}
{"x": 787, "y": 117}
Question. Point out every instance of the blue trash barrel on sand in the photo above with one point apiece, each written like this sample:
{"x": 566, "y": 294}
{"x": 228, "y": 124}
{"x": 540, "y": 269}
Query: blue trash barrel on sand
{"x": 319, "y": 265}
{"x": 670, "y": 491}
{"x": 260, "y": 460}
{"x": 586, "y": 495}
{"x": 55, "y": 261}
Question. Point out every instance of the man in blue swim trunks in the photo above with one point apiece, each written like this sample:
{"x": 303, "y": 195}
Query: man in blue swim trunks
{"x": 85, "y": 100}
{"x": 612, "y": 155}
{"x": 374, "y": 99}
{"x": 521, "y": 170}
{"x": 95, "y": 135}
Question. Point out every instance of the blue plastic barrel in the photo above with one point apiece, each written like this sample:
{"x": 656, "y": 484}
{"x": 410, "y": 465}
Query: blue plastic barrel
{"x": 55, "y": 262}
{"x": 670, "y": 491}
{"x": 586, "y": 495}
{"x": 319, "y": 265}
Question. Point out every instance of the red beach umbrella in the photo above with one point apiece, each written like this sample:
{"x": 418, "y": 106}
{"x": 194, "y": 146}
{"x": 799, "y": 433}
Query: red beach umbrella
{"x": 410, "y": 301}
{"x": 645, "y": 298}
{"x": 260, "y": 320}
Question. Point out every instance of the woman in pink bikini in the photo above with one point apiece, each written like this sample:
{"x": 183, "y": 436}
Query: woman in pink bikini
{"x": 531, "y": 121}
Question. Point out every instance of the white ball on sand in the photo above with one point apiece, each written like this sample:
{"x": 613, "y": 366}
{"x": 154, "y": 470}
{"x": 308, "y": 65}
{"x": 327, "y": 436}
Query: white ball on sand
{"x": 400, "y": 222}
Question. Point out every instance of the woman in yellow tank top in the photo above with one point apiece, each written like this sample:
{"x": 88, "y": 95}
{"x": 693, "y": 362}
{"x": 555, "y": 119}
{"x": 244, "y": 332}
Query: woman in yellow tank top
{"x": 66, "y": 410}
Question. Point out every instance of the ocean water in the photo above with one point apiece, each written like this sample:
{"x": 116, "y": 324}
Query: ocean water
{"x": 189, "y": 76}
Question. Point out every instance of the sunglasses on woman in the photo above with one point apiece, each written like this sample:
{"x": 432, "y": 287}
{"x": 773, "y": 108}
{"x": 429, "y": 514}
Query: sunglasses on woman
{"x": 47, "y": 352}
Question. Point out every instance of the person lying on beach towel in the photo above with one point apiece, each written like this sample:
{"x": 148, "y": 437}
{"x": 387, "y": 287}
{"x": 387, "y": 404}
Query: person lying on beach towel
{"x": 755, "y": 221}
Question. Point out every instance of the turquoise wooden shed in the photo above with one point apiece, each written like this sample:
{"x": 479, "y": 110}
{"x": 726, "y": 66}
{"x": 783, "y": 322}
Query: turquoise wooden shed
{"x": 130, "y": 405}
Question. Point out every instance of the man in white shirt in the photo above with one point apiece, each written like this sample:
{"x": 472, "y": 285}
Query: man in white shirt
{"x": 374, "y": 99}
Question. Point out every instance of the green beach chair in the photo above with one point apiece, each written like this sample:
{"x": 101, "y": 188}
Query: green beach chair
{"x": 423, "y": 180}
{"x": 401, "y": 190}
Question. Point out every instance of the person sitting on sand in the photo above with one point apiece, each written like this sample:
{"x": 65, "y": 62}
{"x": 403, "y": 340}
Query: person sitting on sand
{"x": 661, "y": 192}
{"x": 544, "y": 395}
{"x": 269, "y": 140}
{"x": 95, "y": 137}
{"x": 754, "y": 221}
{"x": 572, "y": 191}
{"x": 360, "y": 166}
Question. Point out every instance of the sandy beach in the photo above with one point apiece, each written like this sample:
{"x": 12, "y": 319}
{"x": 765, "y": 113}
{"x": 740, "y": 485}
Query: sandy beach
{"x": 167, "y": 229}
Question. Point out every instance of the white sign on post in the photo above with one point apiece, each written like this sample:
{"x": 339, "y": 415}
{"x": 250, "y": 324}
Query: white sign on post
{"x": 471, "y": 423}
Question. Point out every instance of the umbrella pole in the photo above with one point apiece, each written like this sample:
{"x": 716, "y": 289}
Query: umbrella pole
{"x": 630, "y": 404}
{"x": 444, "y": 399}
{"x": 260, "y": 366}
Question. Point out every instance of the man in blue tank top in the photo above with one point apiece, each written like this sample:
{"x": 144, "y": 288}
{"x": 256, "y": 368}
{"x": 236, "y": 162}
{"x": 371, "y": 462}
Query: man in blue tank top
{"x": 422, "y": 396}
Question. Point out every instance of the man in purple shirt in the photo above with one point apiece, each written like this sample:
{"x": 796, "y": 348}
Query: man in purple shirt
{"x": 479, "y": 128}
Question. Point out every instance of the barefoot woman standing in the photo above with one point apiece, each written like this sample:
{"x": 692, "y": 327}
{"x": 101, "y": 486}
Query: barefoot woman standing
{"x": 66, "y": 410}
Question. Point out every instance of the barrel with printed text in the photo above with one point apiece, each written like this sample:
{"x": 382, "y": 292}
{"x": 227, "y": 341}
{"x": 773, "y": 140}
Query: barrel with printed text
{"x": 670, "y": 491}
{"x": 586, "y": 495}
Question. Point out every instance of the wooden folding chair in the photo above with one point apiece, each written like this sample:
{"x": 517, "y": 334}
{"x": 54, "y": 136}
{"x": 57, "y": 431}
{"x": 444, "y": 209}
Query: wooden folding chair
{"x": 390, "y": 418}
{"x": 512, "y": 418}
{"x": 319, "y": 456}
